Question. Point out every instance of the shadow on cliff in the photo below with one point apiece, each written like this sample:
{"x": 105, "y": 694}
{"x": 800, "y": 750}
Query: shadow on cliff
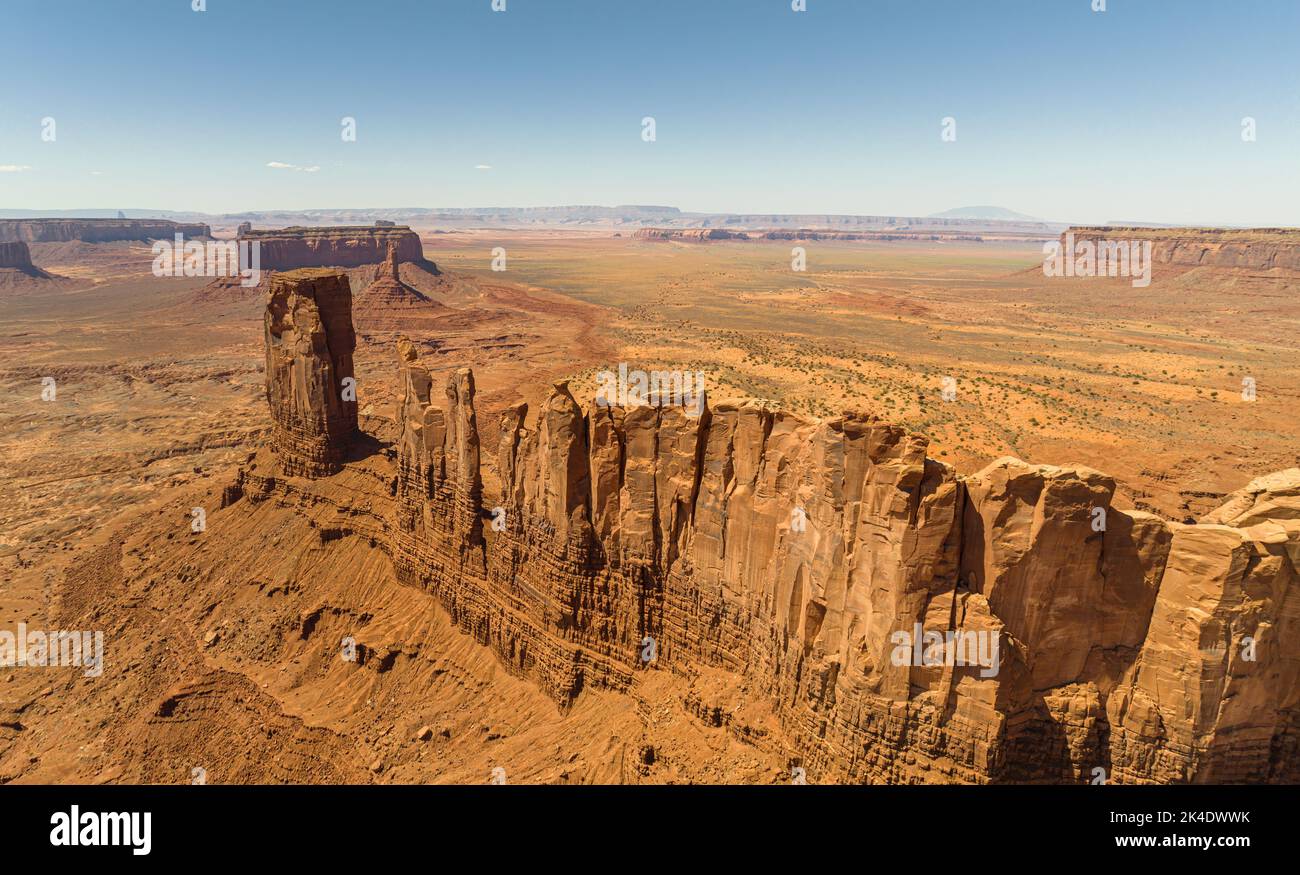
{"x": 365, "y": 445}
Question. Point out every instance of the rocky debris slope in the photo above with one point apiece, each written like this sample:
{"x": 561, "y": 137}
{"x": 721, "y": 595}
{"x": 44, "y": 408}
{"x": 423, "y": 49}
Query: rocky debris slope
{"x": 906, "y": 624}
{"x": 1254, "y": 248}
{"x": 96, "y": 230}
{"x": 309, "y": 346}
{"x": 344, "y": 246}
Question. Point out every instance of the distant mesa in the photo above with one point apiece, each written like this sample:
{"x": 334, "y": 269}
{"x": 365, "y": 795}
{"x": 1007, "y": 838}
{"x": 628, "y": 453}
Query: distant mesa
{"x": 96, "y": 230}
{"x": 704, "y": 235}
{"x": 988, "y": 213}
{"x": 15, "y": 256}
{"x": 1251, "y": 248}
{"x": 807, "y": 234}
{"x": 244, "y": 228}
{"x": 338, "y": 246}
{"x": 695, "y": 234}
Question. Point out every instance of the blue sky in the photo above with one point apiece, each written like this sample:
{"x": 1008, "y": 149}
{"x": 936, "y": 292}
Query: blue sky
{"x": 1061, "y": 112}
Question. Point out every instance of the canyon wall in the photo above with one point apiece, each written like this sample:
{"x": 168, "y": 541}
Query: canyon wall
{"x": 793, "y": 553}
{"x": 345, "y": 246}
{"x": 96, "y": 230}
{"x": 309, "y": 345}
{"x": 907, "y": 624}
{"x": 1253, "y": 248}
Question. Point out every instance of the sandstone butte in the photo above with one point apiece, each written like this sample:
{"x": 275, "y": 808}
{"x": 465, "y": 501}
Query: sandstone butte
{"x": 96, "y": 230}
{"x": 15, "y": 254}
{"x": 1156, "y": 651}
{"x": 338, "y": 246}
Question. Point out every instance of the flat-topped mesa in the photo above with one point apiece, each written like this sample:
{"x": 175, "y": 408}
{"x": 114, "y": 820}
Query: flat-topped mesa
{"x": 1252, "y": 248}
{"x": 15, "y": 254}
{"x": 825, "y": 561}
{"x": 693, "y": 234}
{"x": 341, "y": 246}
{"x": 309, "y": 381}
{"x": 97, "y": 230}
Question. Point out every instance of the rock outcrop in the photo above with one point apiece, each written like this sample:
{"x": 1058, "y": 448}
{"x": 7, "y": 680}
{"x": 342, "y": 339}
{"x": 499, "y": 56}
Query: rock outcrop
{"x": 15, "y": 254}
{"x": 96, "y": 230}
{"x": 389, "y": 304}
{"x": 309, "y": 381}
{"x": 808, "y": 557}
{"x": 345, "y": 246}
{"x": 907, "y": 624}
{"x": 1252, "y": 248}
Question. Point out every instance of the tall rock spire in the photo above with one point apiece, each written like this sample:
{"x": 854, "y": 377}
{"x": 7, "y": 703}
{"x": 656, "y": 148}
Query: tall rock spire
{"x": 309, "y": 381}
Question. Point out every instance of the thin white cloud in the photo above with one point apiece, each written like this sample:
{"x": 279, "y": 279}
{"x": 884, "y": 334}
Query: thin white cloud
{"x": 280, "y": 165}
{"x": 14, "y": 168}
{"x": 96, "y": 173}
{"x": 482, "y": 166}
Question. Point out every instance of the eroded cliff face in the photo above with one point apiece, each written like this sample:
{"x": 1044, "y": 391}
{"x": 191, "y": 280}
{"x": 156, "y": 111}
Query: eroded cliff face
{"x": 1254, "y": 248}
{"x": 907, "y": 624}
{"x": 344, "y": 246}
{"x": 309, "y": 345}
{"x": 96, "y": 230}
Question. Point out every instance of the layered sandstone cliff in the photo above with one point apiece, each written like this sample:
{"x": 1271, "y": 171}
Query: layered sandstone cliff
{"x": 96, "y": 230}
{"x": 793, "y": 553}
{"x": 309, "y": 381}
{"x": 1253, "y": 248}
{"x": 344, "y": 246}
{"x": 908, "y": 624}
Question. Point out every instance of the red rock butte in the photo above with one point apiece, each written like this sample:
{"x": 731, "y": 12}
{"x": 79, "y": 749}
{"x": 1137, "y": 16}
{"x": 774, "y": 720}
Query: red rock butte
{"x": 339, "y": 246}
{"x": 793, "y": 553}
{"x": 15, "y": 254}
{"x": 309, "y": 346}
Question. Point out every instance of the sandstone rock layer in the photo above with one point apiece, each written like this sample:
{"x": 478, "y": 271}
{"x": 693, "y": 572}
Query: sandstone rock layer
{"x": 309, "y": 381}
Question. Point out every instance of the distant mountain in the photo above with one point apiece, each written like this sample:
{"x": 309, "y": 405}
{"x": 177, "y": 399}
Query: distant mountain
{"x": 1001, "y": 214}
